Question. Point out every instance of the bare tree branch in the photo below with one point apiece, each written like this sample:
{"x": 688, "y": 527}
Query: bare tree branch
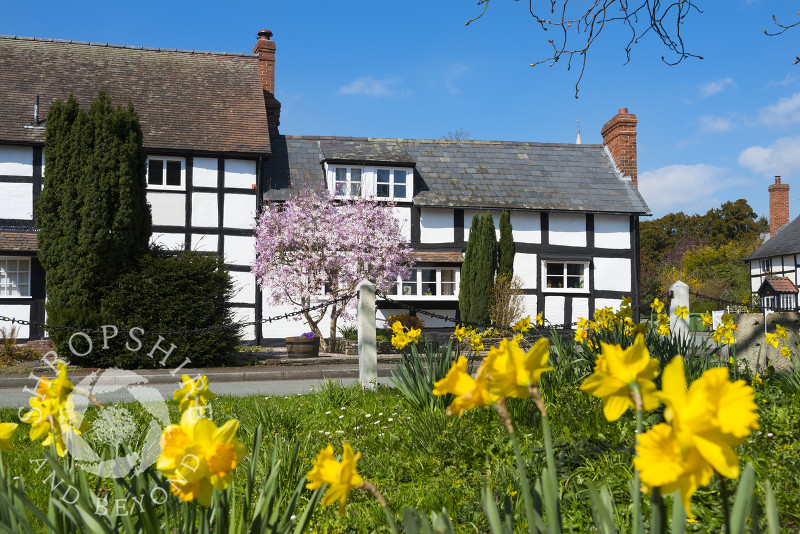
{"x": 782, "y": 28}
{"x": 584, "y": 25}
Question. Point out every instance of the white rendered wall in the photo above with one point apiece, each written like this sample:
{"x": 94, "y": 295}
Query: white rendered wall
{"x": 244, "y": 287}
{"x": 240, "y": 250}
{"x": 16, "y": 201}
{"x": 245, "y": 315}
{"x": 240, "y": 211}
{"x": 169, "y": 241}
{"x": 169, "y": 209}
{"x": 403, "y": 216}
{"x": 433, "y": 322}
{"x": 568, "y": 229}
{"x": 204, "y": 209}
{"x": 554, "y": 309}
{"x": 526, "y": 227}
{"x": 469, "y": 214}
{"x": 16, "y": 161}
{"x": 436, "y": 226}
{"x": 580, "y": 309}
{"x": 788, "y": 263}
{"x": 204, "y": 242}
{"x": 612, "y": 231}
{"x": 529, "y": 306}
{"x": 240, "y": 173}
{"x": 612, "y": 274}
{"x": 204, "y": 172}
{"x": 525, "y": 269}
{"x": 16, "y": 311}
{"x": 382, "y": 314}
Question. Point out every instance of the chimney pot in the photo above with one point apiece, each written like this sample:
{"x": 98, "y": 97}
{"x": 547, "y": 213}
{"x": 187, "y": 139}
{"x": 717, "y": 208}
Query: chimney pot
{"x": 777, "y": 179}
{"x": 623, "y": 110}
{"x": 266, "y": 34}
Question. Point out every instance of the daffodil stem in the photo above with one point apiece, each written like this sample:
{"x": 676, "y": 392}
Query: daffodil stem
{"x": 637, "y": 495}
{"x": 523, "y": 482}
{"x": 658, "y": 513}
{"x": 92, "y": 398}
{"x": 725, "y": 505}
{"x": 372, "y": 490}
{"x": 504, "y": 414}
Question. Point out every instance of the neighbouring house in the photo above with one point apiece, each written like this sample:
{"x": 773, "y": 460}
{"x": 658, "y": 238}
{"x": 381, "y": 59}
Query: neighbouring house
{"x": 210, "y": 124}
{"x": 775, "y": 265}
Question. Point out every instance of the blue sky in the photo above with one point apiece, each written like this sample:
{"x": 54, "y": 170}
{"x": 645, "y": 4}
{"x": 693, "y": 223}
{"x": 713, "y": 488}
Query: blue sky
{"x": 709, "y": 131}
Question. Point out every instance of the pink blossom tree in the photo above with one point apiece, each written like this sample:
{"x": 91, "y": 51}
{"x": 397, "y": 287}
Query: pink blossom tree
{"x": 311, "y": 248}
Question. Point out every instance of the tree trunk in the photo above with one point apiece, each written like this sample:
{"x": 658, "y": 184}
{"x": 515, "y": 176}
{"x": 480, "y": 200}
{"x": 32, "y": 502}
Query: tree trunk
{"x": 334, "y": 318}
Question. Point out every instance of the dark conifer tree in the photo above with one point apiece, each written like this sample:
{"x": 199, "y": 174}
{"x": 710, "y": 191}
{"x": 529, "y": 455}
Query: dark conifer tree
{"x": 505, "y": 247}
{"x": 484, "y": 269}
{"x": 465, "y": 286}
{"x": 93, "y": 213}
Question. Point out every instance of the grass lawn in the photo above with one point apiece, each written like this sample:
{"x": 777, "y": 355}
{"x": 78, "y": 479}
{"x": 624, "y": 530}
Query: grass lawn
{"x": 427, "y": 460}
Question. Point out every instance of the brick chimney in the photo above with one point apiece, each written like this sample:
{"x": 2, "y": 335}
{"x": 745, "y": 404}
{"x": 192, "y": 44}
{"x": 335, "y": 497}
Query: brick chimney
{"x": 619, "y": 135}
{"x": 265, "y": 49}
{"x": 778, "y": 206}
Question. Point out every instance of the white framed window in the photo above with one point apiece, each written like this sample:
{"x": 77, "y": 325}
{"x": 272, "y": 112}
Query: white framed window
{"x": 370, "y": 182}
{"x": 429, "y": 283}
{"x": 565, "y": 276}
{"x": 15, "y": 277}
{"x": 766, "y": 265}
{"x": 166, "y": 173}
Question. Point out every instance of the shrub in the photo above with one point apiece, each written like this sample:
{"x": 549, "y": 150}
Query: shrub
{"x": 408, "y": 321}
{"x": 171, "y": 292}
{"x": 703, "y": 307}
{"x": 507, "y": 303}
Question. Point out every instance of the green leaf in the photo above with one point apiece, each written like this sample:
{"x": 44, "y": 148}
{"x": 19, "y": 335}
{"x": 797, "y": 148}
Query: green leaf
{"x": 744, "y": 500}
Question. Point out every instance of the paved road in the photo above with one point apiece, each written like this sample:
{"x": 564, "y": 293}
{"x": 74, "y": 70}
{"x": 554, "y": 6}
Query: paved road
{"x": 16, "y": 397}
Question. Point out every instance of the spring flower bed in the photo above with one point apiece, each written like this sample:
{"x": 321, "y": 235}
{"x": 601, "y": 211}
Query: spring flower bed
{"x": 530, "y": 438}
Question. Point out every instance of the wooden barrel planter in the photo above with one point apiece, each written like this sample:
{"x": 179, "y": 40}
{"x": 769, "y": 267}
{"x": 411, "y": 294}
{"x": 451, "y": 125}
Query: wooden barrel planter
{"x": 302, "y": 347}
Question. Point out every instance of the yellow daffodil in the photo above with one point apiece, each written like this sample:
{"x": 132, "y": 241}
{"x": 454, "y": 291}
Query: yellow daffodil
{"x": 477, "y": 343}
{"x": 58, "y": 388}
{"x": 616, "y": 370}
{"x": 6, "y": 430}
{"x": 757, "y": 379}
{"x": 517, "y": 337}
{"x": 413, "y": 335}
{"x": 51, "y": 421}
{"x": 197, "y": 457}
{"x": 681, "y": 312}
{"x": 705, "y": 423}
{"x": 340, "y": 476}
{"x": 523, "y": 325}
{"x": 460, "y": 332}
{"x": 771, "y": 339}
{"x": 540, "y": 318}
{"x": 469, "y": 392}
{"x": 785, "y": 352}
{"x": 781, "y": 332}
{"x": 397, "y": 328}
{"x": 642, "y": 328}
{"x": 731, "y": 361}
{"x": 192, "y": 393}
{"x": 663, "y": 329}
{"x": 400, "y": 340}
{"x": 511, "y": 370}
{"x": 708, "y": 320}
{"x": 657, "y": 306}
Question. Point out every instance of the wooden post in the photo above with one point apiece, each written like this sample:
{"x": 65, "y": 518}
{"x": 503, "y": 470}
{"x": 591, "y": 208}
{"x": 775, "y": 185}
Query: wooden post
{"x": 367, "y": 345}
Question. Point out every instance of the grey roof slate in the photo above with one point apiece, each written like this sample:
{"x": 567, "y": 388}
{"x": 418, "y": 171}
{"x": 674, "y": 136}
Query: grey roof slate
{"x": 786, "y": 241}
{"x": 467, "y": 174}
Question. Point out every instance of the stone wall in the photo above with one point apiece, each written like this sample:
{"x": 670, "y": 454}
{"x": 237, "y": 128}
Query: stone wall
{"x": 751, "y": 345}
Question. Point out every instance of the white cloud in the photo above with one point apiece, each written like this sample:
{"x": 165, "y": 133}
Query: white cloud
{"x": 710, "y": 124}
{"x": 785, "y": 112}
{"x": 455, "y": 71}
{"x": 687, "y": 188}
{"x": 369, "y": 86}
{"x": 712, "y": 88}
{"x": 781, "y": 157}
{"x": 783, "y": 83}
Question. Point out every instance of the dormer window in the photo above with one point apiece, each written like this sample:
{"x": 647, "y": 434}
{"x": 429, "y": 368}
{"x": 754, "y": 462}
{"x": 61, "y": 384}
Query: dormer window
{"x": 165, "y": 173}
{"x": 370, "y": 182}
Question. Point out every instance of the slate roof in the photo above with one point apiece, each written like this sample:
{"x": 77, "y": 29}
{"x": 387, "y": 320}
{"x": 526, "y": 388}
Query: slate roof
{"x": 779, "y": 284}
{"x": 186, "y": 100}
{"x": 786, "y": 241}
{"x": 18, "y": 242}
{"x": 469, "y": 174}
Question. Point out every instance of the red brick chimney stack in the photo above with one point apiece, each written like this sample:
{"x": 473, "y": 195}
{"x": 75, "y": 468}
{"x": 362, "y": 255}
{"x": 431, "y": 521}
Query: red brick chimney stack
{"x": 619, "y": 135}
{"x": 265, "y": 49}
{"x": 778, "y": 206}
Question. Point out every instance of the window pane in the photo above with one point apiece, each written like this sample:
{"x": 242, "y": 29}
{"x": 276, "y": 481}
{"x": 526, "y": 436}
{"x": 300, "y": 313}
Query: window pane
{"x": 355, "y": 182}
{"x": 555, "y": 275}
{"x": 383, "y": 183}
{"x": 428, "y": 281}
{"x": 383, "y": 176}
{"x": 575, "y": 281}
{"x": 341, "y": 181}
{"x": 448, "y": 282}
{"x": 399, "y": 191}
{"x": 383, "y": 190}
{"x": 410, "y": 284}
{"x": 155, "y": 172}
{"x": 173, "y": 173}
{"x": 575, "y": 269}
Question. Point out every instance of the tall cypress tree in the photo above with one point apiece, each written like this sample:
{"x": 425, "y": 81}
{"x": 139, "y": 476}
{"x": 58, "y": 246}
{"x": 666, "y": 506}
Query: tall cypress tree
{"x": 484, "y": 268}
{"x": 93, "y": 213}
{"x": 505, "y": 247}
{"x": 465, "y": 286}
